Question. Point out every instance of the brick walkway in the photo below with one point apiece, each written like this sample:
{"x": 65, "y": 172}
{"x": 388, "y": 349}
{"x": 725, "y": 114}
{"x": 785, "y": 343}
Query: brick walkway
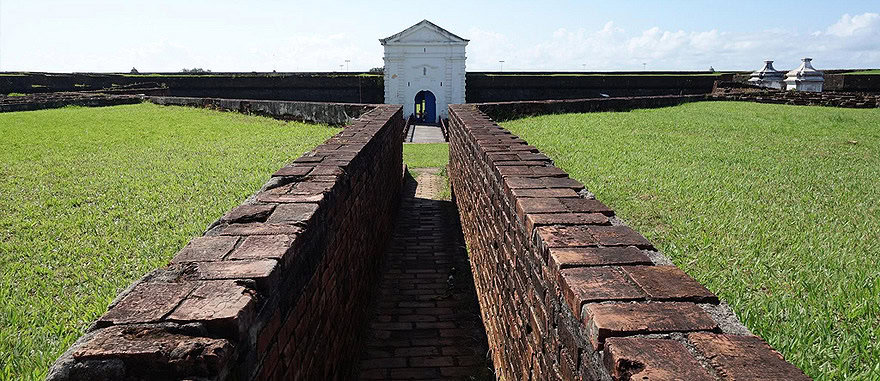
{"x": 425, "y": 320}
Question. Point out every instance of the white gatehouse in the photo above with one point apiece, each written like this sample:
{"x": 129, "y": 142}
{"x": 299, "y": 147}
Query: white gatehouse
{"x": 424, "y": 70}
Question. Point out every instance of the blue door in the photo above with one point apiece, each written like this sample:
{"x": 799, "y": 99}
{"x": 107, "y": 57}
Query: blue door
{"x": 426, "y": 106}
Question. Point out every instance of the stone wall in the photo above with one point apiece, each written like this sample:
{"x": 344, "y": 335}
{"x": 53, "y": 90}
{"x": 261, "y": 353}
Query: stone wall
{"x": 567, "y": 291}
{"x": 275, "y": 289}
{"x": 501, "y": 111}
{"x": 489, "y": 87}
{"x": 353, "y": 87}
{"x": 803, "y": 98}
{"x": 55, "y": 100}
{"x": 336, "y": 114}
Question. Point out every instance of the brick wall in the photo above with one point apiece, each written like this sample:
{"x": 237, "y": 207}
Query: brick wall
{"x": 336, "y": 114}
{"x": 276, "y": 288}
{"x": 567, "y": 291}
{"x": 56, "y": 100}
{"x": 803, "y": 98}
{"x": 510, "y": 110}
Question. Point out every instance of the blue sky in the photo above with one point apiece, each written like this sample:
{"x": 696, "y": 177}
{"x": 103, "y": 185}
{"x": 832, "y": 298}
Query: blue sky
{"x": 105, "y": 35}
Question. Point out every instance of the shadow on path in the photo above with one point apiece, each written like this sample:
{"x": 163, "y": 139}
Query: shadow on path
{"x": 425, "y": 318}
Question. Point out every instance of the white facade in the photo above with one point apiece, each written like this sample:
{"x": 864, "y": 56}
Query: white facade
{"x": 424, "y": 57}
{"x": 768, "y": 77}
{"x": 805, "y": 78}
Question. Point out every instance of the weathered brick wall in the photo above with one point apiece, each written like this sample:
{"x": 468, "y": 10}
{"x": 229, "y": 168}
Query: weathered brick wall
{"x": 567, "y": 291}
{"x": 510, "y": 110}
{"x": 803, "y": 98}
{"x": 56, "y": 100}
{"x": 275, "y": 289}
{"x": 336, "y": 114}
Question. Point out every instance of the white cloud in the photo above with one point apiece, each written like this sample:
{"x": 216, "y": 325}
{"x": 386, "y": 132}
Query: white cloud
{"x": 866, "y": 23}
{"x": 853, "y": 41}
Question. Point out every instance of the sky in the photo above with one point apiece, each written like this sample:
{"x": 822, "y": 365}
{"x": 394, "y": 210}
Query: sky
{"x": 220, "y": 35}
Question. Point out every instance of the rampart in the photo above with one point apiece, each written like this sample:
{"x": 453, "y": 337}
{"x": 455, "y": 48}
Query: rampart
{"x": 802, "y": 98}
{"x": 336, "y": 114}
{"x": 568, "y": 291}
{"x": 275, "y": 289}
{"x": 496, "y": 87}
{"x": 368, "y": 88}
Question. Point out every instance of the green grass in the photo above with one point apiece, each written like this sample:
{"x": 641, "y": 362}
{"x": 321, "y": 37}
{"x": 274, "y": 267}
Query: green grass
{"x": 862, "y": 72}
{"x": 774, "y": 208}
{"x": 93, "y": 198}
{"x": 426, "y": 155}
{"x": 429, "y": 155}
{"x": 16, "y": 95}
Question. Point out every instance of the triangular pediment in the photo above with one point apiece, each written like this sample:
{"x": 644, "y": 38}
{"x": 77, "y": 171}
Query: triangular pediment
{"x": 425, "y": 32}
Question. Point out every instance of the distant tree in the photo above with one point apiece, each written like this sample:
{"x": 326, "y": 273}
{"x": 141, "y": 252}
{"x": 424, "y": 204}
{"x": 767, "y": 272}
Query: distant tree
{"x": 195, "y": 70}
{"x": 134, "y": 71}
{"x": 377, "y": 70}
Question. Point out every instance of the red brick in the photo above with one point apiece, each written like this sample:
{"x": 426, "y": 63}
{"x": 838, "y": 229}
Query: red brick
{"x": 565, "y": 236}
{"x": 619, "y": 236}
{"x": 546, "y": 182}
{"x": 326, "y": 170}
{"x": 669, "y": 283}
{"x": 597, "y": 256}
{"x": 540, "y": 219}
{"x": 260, "y": 270}
{"x": 539, "y": 205}
{"x": 384, "y": 363}
{"x": 621, "y": 319}
{"x": 289, "y": 198}
{"x": 651, "y": 359}
{"x": 248, "y": 213}
{"x": 431, "y": 361}
{"x": 263, "y": 247}
{"x": 293, "y": 213}
{"x": 545, "y": 192}
{"x": 168, "y": 354}
{"x": 585, "y": 205}
{"x": 293, "y": 170}
{"x": 257, "y": 228}
{"x": 226, "y": 307}
{"x": 591, "y": 284}
{"x": 415, "y": 373}
{"x": 147, "y": 302}
{"x": 744, "y": 358}
{"x": 205, "y": 249}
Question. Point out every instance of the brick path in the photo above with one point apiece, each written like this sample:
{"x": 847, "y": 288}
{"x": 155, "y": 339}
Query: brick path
{"x": 425, "y": 319}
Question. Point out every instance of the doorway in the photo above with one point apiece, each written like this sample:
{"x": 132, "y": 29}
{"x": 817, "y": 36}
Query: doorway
{"x": 426, "y": 107}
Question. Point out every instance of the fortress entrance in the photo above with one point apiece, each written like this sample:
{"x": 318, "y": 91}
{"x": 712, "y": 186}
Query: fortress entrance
{"x": 426, "y": 107}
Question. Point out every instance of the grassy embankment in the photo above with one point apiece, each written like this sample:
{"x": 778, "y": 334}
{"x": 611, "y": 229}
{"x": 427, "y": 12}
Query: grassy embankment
{"x": 93, "y": 198}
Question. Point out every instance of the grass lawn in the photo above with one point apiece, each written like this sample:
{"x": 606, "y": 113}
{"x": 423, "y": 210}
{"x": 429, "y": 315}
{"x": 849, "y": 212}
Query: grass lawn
{"x": 429, "y": 155}
{"x": 862, "y": 72}
{"x": 774, "y": 208}
{"x": 93, "y": 198}
{"x": 426, "y": 155}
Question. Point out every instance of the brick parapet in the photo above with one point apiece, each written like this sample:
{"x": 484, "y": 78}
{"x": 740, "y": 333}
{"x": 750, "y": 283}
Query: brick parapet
{"x": 567, "y": 291}
{"x": 501, "y": 111}
{"x": 801, "y": 98}
{"x": 33, "y": 102}
{"x": 277, "y": 288}
{"x": 337, "y": 114}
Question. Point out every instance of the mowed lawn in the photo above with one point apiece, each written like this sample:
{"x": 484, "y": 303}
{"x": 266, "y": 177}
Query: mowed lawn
{"x": 93, "y": 198}
{"x": 774, "y": 208}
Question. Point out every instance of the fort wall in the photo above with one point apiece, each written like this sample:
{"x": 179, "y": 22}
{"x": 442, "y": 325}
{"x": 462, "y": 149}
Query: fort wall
{"x": 568, "y": 291}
